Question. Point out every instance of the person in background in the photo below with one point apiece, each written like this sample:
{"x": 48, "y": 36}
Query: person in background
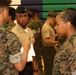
{"x": 38, "y": 20}
{"x": 38, "y": 43}
{"x": 11, "y": 59}
{"x": 35, "y": 25}
{"x": 49, "y": 43}
{"x": 10, "y": 24}
{"x": 65, "y": 58}
{"x": 21, "y": 30}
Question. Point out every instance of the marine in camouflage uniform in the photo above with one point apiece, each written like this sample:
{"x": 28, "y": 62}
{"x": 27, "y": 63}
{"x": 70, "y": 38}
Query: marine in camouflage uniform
{"x": 38, "y": 46}
{"x": 36, "y": 25}
{"x": 65, "y": 59}
{"x": 10, "y": 53}
{"x": 11, "y": 59}
{"x": 9, "y": 47}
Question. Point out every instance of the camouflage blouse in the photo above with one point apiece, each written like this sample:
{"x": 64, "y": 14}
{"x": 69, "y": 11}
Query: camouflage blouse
{"x": 65, "y": 59}
{"x": 9, "y": 52}
{"x": 9, "y": 27}
{"x": 33, "y": 25}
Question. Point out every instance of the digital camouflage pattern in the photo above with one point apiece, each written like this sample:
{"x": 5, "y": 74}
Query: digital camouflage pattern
{"x": 9, "y": 27}
{"x": 38, "y": 45}
{"x": 65, "y": 59}
{"x": 9, "y": 45}
{"x": 61, "y": 40}
{"x": 39, "y": 22}
{"x": 36, "y": 25}
{"x": 33, "y": 25}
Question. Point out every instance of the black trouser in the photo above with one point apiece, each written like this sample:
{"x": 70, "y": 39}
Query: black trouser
{"x": 28, "y": 70}
{"x": 48, "y": 57}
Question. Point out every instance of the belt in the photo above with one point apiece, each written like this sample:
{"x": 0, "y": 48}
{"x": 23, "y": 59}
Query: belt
{"x": 29, "y": 63}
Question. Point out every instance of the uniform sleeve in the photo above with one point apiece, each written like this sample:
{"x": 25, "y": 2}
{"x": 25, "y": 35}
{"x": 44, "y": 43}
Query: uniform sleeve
{"x": 72, "y": 56}
{"x": 72, "y": 61}
{"x": 13, "y": 46}
{"x": 30, "y": 25}
{"x": 33, "y": 26}
{"x": 45, "y": 33}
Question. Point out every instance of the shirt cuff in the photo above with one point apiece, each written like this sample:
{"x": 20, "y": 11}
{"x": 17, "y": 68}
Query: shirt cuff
{"x": 15, "y": 58}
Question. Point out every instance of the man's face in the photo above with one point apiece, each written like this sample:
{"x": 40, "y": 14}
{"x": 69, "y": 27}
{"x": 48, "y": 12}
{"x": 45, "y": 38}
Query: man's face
{"x": 52, "y": 20}
{"x": 22, "y": 19}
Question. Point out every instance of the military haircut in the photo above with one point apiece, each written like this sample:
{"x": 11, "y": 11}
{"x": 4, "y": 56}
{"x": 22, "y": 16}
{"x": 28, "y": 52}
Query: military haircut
{"x": 68, "y": 15}
{"x": 12, "y": 12}
{"x": 31, "y": 12}
{"x": 51, "y": 14}
{"x": 36, "y": 11}
{"x": 4, "y": 3}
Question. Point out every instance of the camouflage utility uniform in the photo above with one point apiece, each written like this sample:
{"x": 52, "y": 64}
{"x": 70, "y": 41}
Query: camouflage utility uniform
{"x": 9, "y": 27}
{"x": 33, "y": 25}
{"x": 38, "y": 45}
{"x": 36, "y": 25}
{"x": 9, "y": 52}
{"x": 65, "y": 59}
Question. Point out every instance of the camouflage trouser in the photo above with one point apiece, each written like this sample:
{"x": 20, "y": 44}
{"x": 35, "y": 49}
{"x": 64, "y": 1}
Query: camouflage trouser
{"x": 38, "y": 51}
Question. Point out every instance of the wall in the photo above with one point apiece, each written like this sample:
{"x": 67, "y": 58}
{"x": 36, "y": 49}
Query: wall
{"x": 15, "y": 3}
{"x": 57, "y": 5}
{"x": 45, "y": 5}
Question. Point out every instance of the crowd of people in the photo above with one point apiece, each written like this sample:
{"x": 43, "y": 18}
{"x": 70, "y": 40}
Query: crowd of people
{"x": 25, "y": 43}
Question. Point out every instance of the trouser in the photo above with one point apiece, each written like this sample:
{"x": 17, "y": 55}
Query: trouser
{"x": 28, "y": 70}
{"x": 38, "y": 51}
{"x": 48, "y": 57}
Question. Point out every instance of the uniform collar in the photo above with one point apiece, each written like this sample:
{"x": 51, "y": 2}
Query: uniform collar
{"x": 19, "y": 28}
